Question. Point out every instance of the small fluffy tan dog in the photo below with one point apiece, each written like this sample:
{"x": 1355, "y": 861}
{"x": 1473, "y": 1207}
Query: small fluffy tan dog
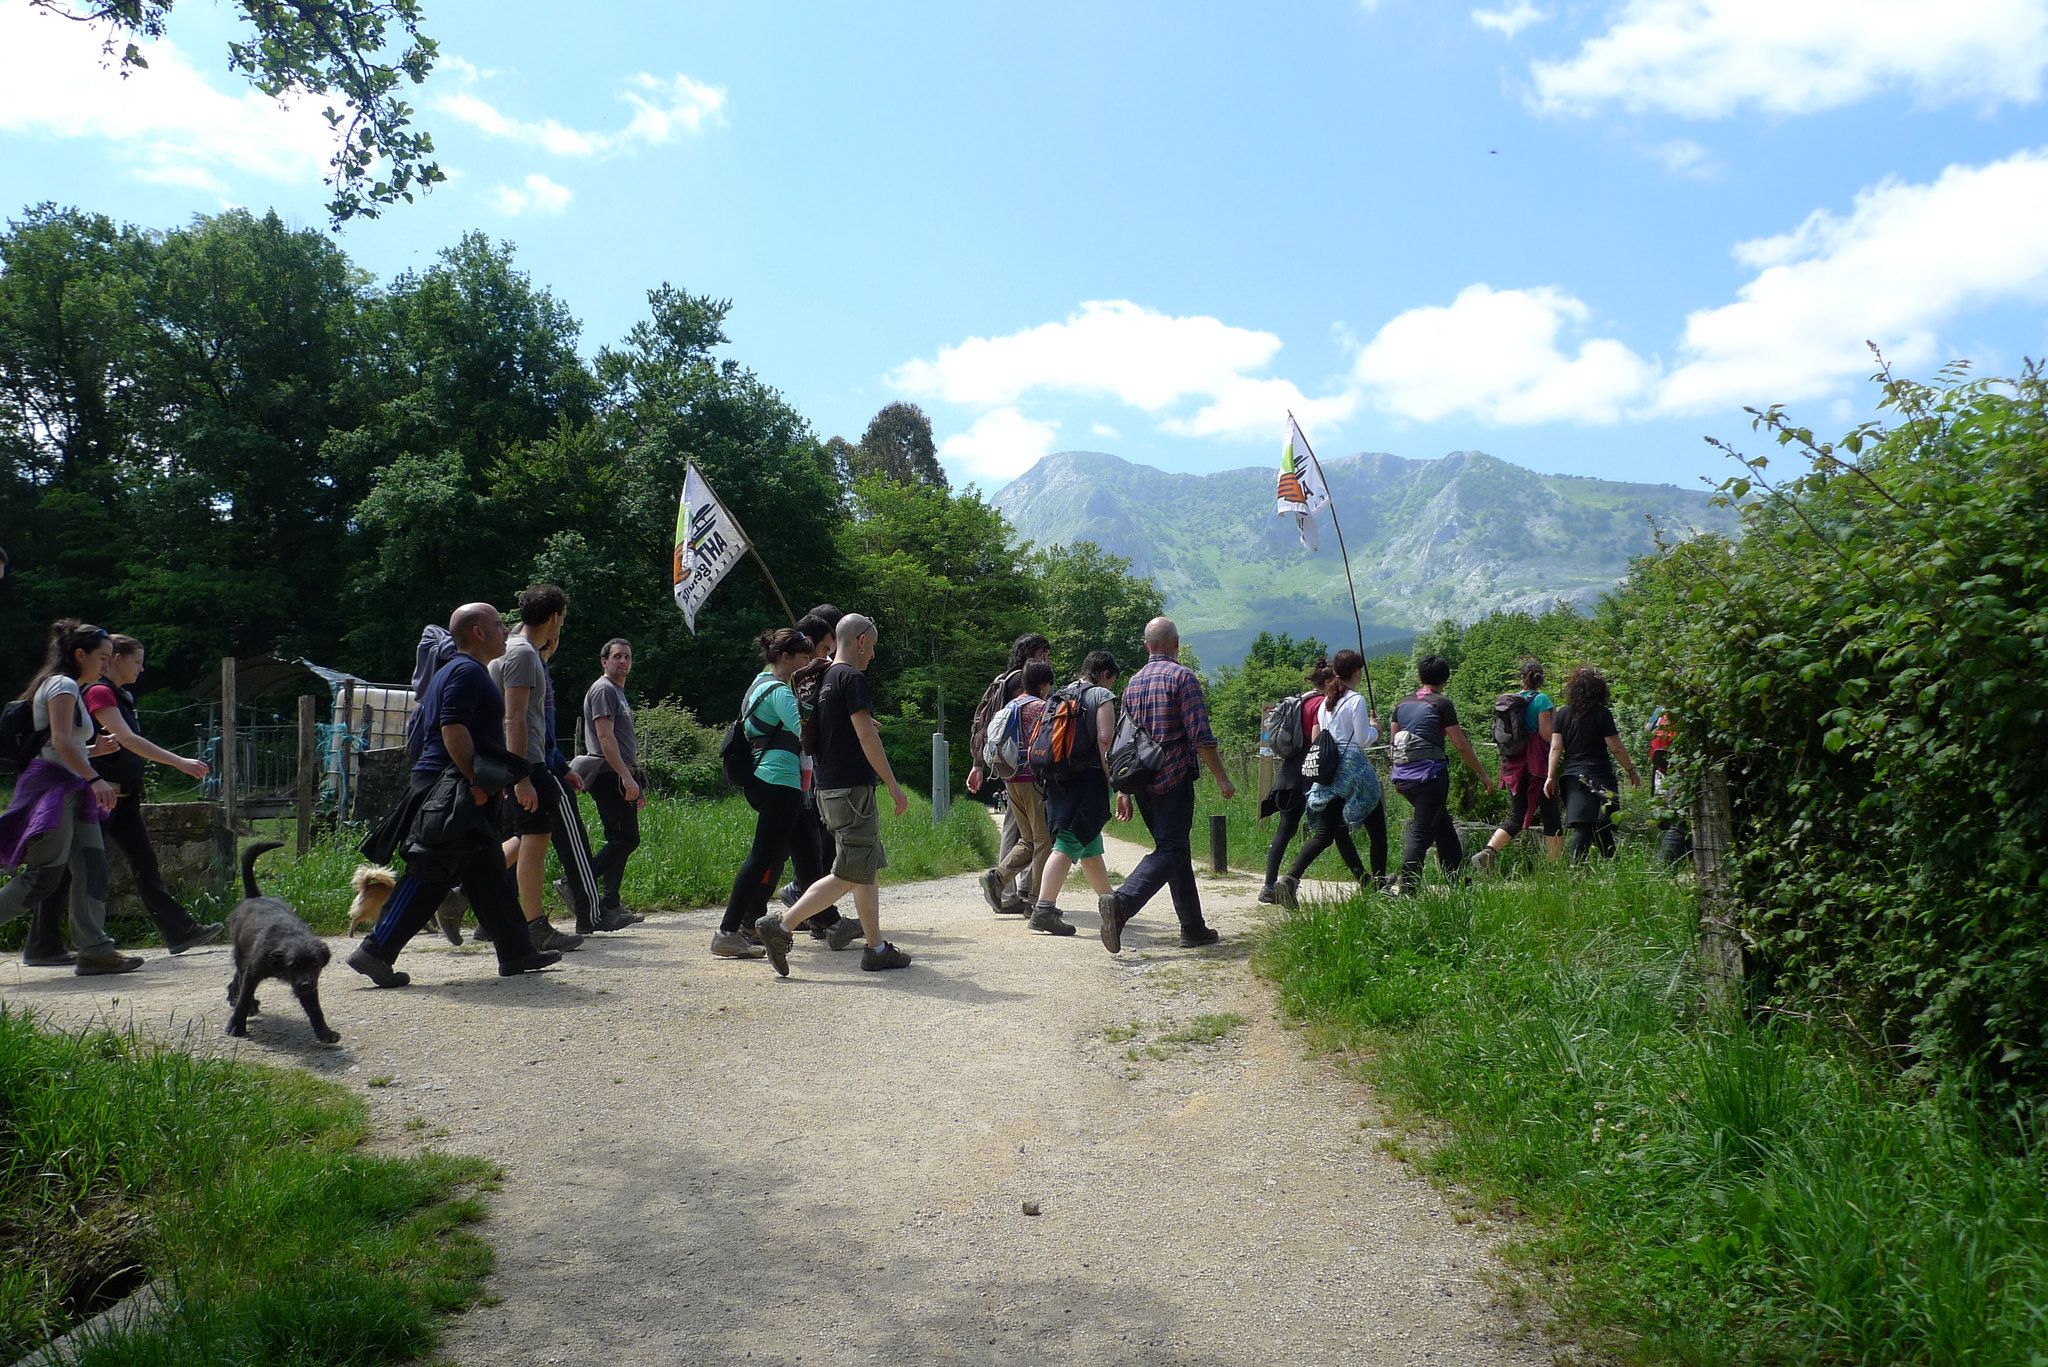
{"x": 373, "y": 884}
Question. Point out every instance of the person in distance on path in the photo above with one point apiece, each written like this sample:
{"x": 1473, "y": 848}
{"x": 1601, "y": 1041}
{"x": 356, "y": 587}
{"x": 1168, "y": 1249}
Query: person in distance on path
{"x": 521, "y": 674}
{"x": 1350, "y": 798}
{"x": 1580, "y": 764}
{"x": 610, "y": 772}
{"x": 1425, "y": 722}
{"x": 1077, "y": 807}
{"x": 1523, "y": 776}
{"x": 1007, "y": 899}
{"x": 1165, "y": 697}
{"x": 811, "y": 851}
{"x": 850, "y": 761}
{"x": 1033, "y": 846}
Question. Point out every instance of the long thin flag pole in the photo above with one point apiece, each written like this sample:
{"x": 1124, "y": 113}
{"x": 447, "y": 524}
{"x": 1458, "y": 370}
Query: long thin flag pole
{"x": 1356, "y": 620}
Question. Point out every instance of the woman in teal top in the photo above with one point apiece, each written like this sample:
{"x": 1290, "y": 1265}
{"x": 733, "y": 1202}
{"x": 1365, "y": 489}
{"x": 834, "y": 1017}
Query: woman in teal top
{"x": 775, "y": 791}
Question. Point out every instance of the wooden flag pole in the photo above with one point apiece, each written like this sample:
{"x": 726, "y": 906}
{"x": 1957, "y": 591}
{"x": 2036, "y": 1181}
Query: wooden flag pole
{"x": 765, "y": 572}
{"x": 1349, "y": 583}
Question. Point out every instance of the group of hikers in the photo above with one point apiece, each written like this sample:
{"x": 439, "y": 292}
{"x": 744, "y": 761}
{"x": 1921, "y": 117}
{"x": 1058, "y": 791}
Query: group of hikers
{"x": 1556, "y": 765}
{"x": 490, "y": 791}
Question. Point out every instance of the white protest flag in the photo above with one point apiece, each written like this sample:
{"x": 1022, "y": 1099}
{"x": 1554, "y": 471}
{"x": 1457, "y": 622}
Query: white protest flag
{"x": 708, "y": 544}
{"x": 1302, "y": 490}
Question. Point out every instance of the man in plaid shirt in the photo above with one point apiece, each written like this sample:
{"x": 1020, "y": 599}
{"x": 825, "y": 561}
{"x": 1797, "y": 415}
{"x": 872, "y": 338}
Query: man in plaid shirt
{"x": 1165, "y": 698}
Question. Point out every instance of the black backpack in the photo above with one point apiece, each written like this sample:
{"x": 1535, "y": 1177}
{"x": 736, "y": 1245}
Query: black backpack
{"x": 740, "y": 754}
{"x": 1135, "y": 759}
{"x": 1511, "y": 725}
{"x": 20, "y": 740}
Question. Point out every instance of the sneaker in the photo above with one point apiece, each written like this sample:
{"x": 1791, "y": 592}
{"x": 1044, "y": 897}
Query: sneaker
{"x": 789, "y": 894}
{"x": 1284, "y": 891}
{"x": 1482, "y": 862}
{"x": 1270, "y": 894}
{"x": 842, "y": 933}
{"x": 376, "y": 970}
{"x": 777, "y": 941}
{"x": 59, "y": 957}
{"x": 482, "y": 933}
{"x": 201, "y": 935}
{"x": 1015, "y": 906}
{"x": 992, "y": 891}
{"x": 879, "y": 958}
{"x": 545, "y": 937}
{"x": 616, "y": 918}
{"x": 730, "y": 944}
{"x": 448, "y": 916}
{"x": 1047, "y": 921}
{"x": 1113, "y": 919}
{"x": 531, "y": 962}
{"x": 97, "y": 963}
{"x": 819, "y": 927}
{"x": 1195, "y": 939}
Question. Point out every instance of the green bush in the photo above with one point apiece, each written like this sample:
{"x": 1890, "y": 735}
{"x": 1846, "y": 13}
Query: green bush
{"x": 1870, "y": 661}
{"x": 679, "y": 753}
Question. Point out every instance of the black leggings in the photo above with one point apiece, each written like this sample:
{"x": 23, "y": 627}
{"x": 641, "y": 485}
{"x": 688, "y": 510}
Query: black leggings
{"x": 1326, "y": 828}
{"x": 1283, "y": 835}
{"x": 777, "y": 809}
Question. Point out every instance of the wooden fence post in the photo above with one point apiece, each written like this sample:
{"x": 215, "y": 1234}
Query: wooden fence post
{"x": 1720, "y": 937}
{"x": 308, "y": 774}
{"x": 226, "y": 768}
{"x": 345, "y": 796}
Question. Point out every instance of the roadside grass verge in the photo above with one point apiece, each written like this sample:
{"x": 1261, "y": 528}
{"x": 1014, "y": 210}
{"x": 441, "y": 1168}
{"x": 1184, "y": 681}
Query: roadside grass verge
{"x": 240, "y": 1191}
{"x": 689, "y": 852}
{"x": 1696, "y": 1188}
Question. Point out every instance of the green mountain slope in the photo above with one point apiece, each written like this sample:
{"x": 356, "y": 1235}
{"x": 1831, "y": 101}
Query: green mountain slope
{"x": 1454, "y": 537}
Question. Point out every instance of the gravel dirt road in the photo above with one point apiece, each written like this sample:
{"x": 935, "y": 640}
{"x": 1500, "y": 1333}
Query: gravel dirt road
{"x": 705, "y": 1164}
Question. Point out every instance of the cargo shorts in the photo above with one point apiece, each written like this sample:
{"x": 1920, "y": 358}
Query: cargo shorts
{"x": 856, "y": 826}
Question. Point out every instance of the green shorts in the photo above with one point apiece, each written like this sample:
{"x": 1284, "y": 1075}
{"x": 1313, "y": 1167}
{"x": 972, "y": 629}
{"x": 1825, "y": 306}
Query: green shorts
{"x": 1067, "y": 845}
{"x": 856, "y": 826}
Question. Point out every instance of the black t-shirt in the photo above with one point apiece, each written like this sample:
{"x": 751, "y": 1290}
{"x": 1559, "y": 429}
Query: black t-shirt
{"x": 461, "y": 694}
{"x": 841, "y": 763}
{"x": 124, "y": 768}
{"x": 1585, "y": 732}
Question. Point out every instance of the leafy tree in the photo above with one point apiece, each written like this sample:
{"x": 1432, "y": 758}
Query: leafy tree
{"x": 353, "y": 52}
{"x": 1088, "y": 599}
{"x": 898, "y": 445}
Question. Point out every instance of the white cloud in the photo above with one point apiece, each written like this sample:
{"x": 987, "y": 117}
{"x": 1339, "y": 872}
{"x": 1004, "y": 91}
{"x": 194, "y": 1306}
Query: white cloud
{"x": 1684, "y": 157}
{"x": 1000, "y": 446}
{"x": 1511, "y": 19}
{"x": 1904, "y": 262}
{"x": 1105, "y": 431}
{"x": 536, "y": 194}
{"x": 1495, "y": 354}
{"x": 1711, "y": 58}
{"x": 662, "y": 108}
{"x": 168, "y": 122}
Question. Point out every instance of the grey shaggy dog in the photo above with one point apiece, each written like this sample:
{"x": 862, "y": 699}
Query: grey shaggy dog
{"x": 272, "y": 942}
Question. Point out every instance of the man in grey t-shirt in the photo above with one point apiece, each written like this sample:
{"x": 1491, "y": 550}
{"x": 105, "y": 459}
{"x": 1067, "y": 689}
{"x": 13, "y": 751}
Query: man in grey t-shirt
{"x": 537, "y": 810}
{"x": 610, "y": 767}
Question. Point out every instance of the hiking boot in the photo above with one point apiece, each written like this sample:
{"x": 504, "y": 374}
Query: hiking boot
{"x": 730, "y": 944}
{"x": 376, "y": 970}
{"x": 59, "y": 957}
{"x": 616, "y": 918}
{"x": 95, "y": 963}
{"x": 1113, "y": 916}
{"x": 1014, "y": 906}
{"x": 992, "y": 891}
{"x": 842, "y": 933}
{"x": 1270, "y": 894}
{"x": 204, "y": 934}
{"x": 482, "y": 933}
{"x": 448, "y": 916}
{"x": 1482, "y": 862}
{"x": 878, "y": 958}
{"x": 789, "y": 894}
{"x": 777, "y": 941}
{"x": 1195, "y": 939}
{"x": 1047, "y": 921}
{"x": 531, "y": 962}
{"x": 543, "y": 936}
{"x": 1284, "y": 891}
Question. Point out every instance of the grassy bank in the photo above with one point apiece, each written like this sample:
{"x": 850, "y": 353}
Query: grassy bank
{"x": 1697, "y": 1189}
{"x": 689, "y": 852}
{"x": 241, "y": 1191}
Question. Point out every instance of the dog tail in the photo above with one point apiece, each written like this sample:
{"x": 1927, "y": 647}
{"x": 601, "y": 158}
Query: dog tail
{"x": 249, "y": 858}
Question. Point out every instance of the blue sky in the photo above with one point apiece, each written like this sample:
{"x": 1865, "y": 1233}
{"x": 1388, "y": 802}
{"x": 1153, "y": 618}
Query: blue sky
{"x": 1577, "y": 235}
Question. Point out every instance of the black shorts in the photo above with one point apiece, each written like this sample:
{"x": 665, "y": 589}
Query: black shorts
{"x": 514, "y": 819}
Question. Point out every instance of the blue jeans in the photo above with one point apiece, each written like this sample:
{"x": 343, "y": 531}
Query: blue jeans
{"x": 1170, "y": 816}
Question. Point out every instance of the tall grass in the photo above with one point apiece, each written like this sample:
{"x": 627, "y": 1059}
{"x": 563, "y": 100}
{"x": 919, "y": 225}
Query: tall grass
{"x": 1698, "y": 1188}
{"x": 689, "y": 852}
{"x": 239, "y": 1190}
